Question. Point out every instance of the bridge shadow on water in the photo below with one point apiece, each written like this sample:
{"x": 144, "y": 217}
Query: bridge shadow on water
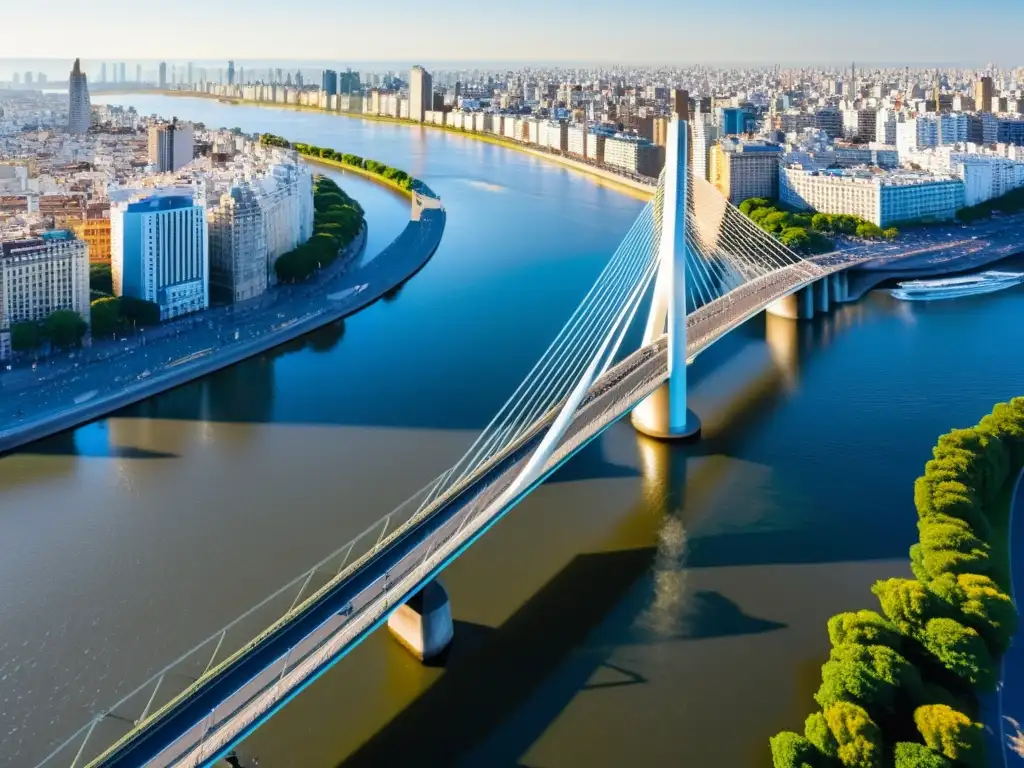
{"x": 503, "y": 687}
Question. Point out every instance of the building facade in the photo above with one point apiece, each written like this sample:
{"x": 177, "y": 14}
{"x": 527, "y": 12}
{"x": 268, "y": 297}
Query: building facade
{"x": 238, "y": 246}
{"x": 39, "y": 276}
{"x": 96, "y": 234}
{"x": 421, "y": 93}
{"x": 79, "y": 108}
{"x": 171, "y": 146}
{"x": 740, "y": 170}
{"x": 633, "y": 155}
{"x": 884, "y": 199}
{"x": 160, "y": 252}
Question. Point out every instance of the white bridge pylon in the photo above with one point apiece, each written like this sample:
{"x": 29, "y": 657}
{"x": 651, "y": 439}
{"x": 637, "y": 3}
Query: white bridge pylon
{"x": 664, "y": 414}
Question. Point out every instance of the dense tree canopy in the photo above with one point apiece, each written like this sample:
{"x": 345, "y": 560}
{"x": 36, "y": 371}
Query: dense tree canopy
{"x": 805, "y": 231}
{"x": 938, "y": 640}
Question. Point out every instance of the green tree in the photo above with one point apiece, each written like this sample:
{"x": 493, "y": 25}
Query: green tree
{"x": 961, "y": 650}
{"x": 796, "y": 238}
{"x": 952, "y": 734}
{"x": 105, "y": 314}
{"x": 891, "y": 233}
{"x": 907, "y": 603}
{"x": 759, "y": 214}
{"x": 858, "y": 738}
{"x": 775, "y": 222}
{"x": 907, "y": 754}
{"x": 981, "y": 604}
{"x": 139, "y": 311}
{"x": 101, "y": 279}
{"x": 869, "y": 231}
{"x": 951, "y": 548}
{"x": 64, "y": 328}
{"x": 753, "y": 203}
{"x": 790, "y": 750}
{"x": 872, "y": 676}
{"x": 822, "y": 222}
{"x": 25, "y": 336}
{"x": 863, "y": 628}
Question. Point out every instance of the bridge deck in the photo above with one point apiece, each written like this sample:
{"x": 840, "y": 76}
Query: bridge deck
{"x": 231, "y": 700}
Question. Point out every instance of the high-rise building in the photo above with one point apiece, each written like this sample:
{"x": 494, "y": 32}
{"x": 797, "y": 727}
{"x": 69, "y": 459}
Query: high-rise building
{"x": 16, "y": 78}
{"x": 113, "y": 73}
{"x": 680, "y": 101}
{"x": 348, "y": 82}
{"x": 171, "y": 145}
{"x": 188, "y": 74}
{"x": 39, "y": 276}
{"x": 28, "y": 78}
{"x": 96, "y": 234}
{"x": 159, "y": 251}
{"x": 421, "y": 93}
{"x": 162, "y": 79}
{"x": 241, "y": 75}
{"x": 138, "y": 73}
{"x": 41, "y": 78}
{"x": 103, "y": 72}
{"x": 120, "y": 72}
{"x": 238, "y": 245}
{"x": 299, "y": 82}
{"x": 983, "y": 94}
{"x": 280, "y": 78}
{"x": 743, "y": 169}
{"x": 329, "y": 82}
{"x": 79, "y": 109}
{"x": 231, "y": 73}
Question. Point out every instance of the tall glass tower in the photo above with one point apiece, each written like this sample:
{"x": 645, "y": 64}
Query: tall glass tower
{"x": 79, "y": 109}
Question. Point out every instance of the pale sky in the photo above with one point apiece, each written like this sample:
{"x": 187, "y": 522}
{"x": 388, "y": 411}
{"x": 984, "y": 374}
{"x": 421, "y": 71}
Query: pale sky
{"x": 656, "y": 31}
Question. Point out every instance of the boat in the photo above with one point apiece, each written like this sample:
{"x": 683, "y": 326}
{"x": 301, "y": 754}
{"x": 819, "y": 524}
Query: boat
{"x": 956, "y": 287}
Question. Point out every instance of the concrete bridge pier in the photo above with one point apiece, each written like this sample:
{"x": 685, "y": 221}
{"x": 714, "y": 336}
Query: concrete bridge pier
{"x": 424, "y": 623}
{"x": 799, "y": 305}
{"x": 838, "y": 284}
{"x": 821, "y": 295}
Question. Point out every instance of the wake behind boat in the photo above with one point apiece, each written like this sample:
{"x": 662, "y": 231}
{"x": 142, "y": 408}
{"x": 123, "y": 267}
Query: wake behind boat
{"x": 956, "y": 287}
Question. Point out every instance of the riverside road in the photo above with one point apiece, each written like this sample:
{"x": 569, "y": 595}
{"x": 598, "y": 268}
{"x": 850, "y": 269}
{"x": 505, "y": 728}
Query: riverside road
{"x": 55, "y": 390}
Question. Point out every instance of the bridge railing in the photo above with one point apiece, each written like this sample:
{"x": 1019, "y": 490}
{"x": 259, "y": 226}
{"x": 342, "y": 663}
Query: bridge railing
{"x": 141, "y": 705}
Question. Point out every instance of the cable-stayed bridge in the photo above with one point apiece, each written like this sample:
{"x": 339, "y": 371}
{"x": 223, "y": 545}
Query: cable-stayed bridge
{"x": 711, "y": 270}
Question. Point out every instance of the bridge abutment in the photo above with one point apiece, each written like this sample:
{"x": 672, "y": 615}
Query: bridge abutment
{"x": 424, "y": 623}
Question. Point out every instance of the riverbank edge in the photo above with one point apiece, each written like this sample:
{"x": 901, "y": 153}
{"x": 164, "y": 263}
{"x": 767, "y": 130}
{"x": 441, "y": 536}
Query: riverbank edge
{"x": 360, "y": 172}
{"x": 622, "y": 185}
{"x": 1016, "y": 587}
{"x": 77, "y": 416}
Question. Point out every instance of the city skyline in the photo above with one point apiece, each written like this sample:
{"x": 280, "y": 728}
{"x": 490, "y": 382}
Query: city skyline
{"x": 910, "y": 31}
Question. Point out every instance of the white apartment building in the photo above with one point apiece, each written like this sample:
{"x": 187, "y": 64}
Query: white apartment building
{"x": 703, "y": 135}
{"x": 238, "y": 245}
{"x": 576, "y": 140}
{"x": 421, "y": 93}
{"x": 985, "y": 173}
{"x": 595, "y": 146}
{"x": 286, "y": 197}
{"x": 553, "y": 134}
{"x": 881, "y": 198}
{"x": 633, "y": 155}
{"x": 923, "y": 131}
{"x": 38, "y": 276}
{"x": 160, "y": 250}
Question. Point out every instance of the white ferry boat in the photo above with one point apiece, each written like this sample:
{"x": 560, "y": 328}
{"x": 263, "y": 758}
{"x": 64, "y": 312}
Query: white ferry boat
{"x": 955, "y": 287}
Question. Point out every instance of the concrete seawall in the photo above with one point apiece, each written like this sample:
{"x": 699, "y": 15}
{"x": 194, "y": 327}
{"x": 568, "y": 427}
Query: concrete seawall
{"x": 425, "y": 234}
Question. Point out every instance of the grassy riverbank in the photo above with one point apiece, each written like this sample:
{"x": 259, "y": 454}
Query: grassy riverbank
{"x": 598, "y": 175}
{"x": 901, "y": 688}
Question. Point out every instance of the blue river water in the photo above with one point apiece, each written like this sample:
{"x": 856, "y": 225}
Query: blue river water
{"x": 631, "y": 611}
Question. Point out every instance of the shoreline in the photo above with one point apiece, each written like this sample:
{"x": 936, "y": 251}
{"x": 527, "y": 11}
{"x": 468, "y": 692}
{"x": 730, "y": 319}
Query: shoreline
{"x": 603, "y": 177}
{"x": 75, "y": 416}
{"x": 1016, "y": 589}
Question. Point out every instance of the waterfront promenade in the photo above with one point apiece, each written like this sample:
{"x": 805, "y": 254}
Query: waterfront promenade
{"x": 70, "y": 389}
